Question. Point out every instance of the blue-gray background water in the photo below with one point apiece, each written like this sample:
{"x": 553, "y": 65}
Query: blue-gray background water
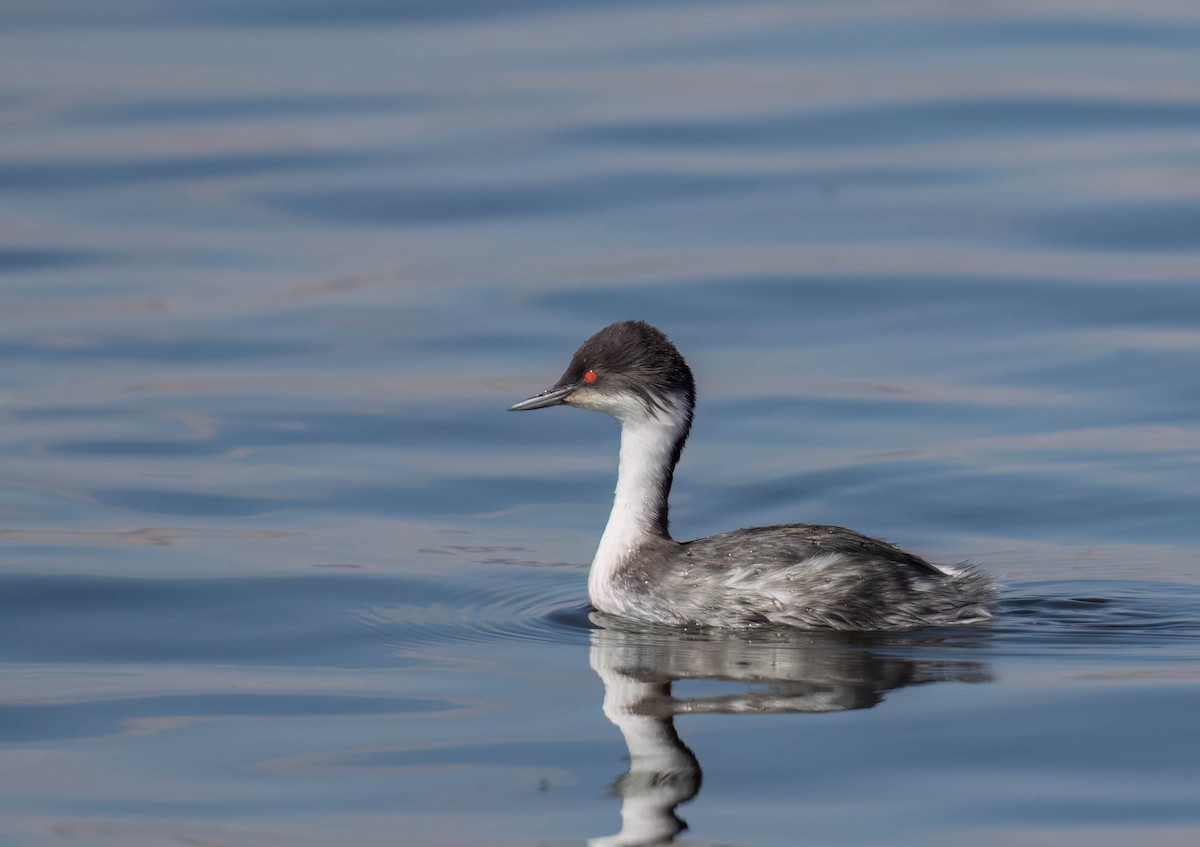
{"x": 276, "y": 567}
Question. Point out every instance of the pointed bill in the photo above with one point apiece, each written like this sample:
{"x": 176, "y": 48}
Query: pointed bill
{"x": 549, "y": 397}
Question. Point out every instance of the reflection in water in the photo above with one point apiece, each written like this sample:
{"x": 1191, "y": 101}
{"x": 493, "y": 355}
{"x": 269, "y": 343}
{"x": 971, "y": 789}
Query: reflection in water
{"x": 791, "y": 672}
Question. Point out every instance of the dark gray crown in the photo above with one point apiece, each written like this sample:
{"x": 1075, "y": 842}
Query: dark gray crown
{"x": 634, "y": 357}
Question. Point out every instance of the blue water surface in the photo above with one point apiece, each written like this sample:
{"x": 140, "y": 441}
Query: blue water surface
{"x": 276, "y": 567}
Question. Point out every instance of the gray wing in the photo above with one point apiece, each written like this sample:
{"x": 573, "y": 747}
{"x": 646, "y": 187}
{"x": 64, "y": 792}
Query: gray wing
{"x": 793, "y": 543}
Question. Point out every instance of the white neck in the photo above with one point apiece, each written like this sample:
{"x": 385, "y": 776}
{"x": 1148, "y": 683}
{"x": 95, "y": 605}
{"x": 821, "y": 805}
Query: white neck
{"x": 639, "y": 512}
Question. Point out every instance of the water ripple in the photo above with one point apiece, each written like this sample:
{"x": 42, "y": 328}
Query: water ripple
{"x": 1114, "y": 613}
{"x": 498, "y": 608}
{"x": 890, "y": 124}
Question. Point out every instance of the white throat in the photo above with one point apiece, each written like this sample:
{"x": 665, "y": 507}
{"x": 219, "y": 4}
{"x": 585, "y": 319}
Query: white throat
{"x": 647, "y": 445}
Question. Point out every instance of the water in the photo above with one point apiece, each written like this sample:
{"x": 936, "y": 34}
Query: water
{"x": 275, "y": 567}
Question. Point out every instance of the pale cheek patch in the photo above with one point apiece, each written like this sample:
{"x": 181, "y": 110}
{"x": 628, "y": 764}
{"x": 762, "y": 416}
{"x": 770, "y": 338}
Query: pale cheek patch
{"x": 582, "y": 398}
{"x": 623, "y": 407}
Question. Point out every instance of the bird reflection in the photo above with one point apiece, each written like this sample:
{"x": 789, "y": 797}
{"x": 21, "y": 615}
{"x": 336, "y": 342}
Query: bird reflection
{"x": 774, "y": 672}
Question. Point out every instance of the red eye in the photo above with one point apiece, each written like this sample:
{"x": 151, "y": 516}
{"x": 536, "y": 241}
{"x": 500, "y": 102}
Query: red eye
{"x": 589, "y": 376}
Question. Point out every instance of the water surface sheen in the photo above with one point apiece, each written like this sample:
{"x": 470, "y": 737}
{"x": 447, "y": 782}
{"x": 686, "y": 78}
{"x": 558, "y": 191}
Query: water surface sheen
{"x": 276, "y": 568}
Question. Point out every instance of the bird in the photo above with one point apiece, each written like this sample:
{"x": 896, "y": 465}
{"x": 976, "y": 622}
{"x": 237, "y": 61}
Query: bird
{"x": 801, "y": 576}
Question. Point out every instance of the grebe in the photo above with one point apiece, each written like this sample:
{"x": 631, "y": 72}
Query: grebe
{"x": 797, "y": 575}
